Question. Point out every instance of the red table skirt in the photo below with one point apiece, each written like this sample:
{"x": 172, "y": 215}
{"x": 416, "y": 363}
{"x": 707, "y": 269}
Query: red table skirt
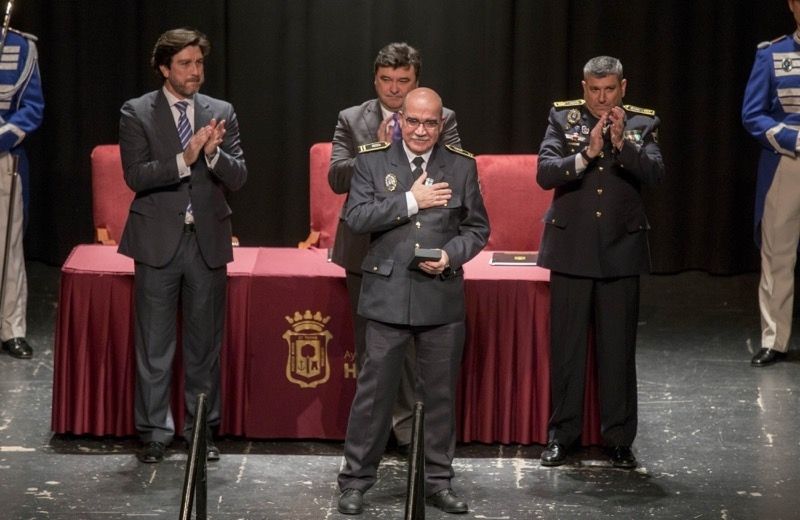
{"x": 288, "y": 367}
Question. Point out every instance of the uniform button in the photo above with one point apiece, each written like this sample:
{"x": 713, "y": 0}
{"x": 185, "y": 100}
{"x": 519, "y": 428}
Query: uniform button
{"x": 566, "y": 173}
{"x": 600, "y": 168}
{"x": 602, "y": 154}
{"x": 416, "y": 245}
{"x": 418, "y": 224}
{"x": 599, "y": 191}
{"x": 374, "y": 267}
{"x": 598, "y": 214}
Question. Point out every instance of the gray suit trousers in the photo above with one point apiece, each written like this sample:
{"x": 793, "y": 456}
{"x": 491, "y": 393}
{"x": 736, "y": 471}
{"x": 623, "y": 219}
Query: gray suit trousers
{"x": 201, "y": 291}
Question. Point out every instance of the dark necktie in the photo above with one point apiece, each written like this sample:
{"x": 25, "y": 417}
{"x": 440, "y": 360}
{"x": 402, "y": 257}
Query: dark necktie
{"x": 417, "y": 171}
{"x": 184, "y": 128}
{"x": 397, "y": 135}
{"x": 185, "y": 133}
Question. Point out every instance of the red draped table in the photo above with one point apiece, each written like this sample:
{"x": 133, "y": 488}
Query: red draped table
{"x": 287, "y": 359}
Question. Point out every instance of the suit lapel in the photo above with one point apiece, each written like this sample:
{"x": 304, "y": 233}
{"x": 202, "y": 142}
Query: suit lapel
{"x": 202, "y": 111}
{"x": 437, "y": 165}
{"x": 372, "y": 118}
{"x": 398, "y": 161}
{"x": 162, "y": 115}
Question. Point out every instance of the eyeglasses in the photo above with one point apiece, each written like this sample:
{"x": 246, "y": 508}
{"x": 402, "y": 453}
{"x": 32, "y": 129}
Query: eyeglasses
{"x": 429, "y": 124}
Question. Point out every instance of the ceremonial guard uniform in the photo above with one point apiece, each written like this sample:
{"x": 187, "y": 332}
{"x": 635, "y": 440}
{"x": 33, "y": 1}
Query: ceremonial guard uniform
{"x": 21, "y": 111}
{"x": 595, "y": 244}
{"x": 771, "y": 114}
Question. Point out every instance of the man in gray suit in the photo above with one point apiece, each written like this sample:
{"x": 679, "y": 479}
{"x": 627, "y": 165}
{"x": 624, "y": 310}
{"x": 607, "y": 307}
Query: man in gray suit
{"x": 396, "y": 69}
{"x": 180, "y": 154}
{"x": 408, "y": 195}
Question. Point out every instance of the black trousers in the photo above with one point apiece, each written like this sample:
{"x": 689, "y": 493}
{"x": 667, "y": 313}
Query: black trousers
{"x": 611, "y": 306}
{"x": 202, "y": 293}
{"x": 403, "y": 413}
{"x": 438, "y": 361}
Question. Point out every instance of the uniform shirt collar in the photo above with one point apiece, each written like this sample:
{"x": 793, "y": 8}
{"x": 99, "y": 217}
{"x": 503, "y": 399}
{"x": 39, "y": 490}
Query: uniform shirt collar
{"x": 411, "y": 155}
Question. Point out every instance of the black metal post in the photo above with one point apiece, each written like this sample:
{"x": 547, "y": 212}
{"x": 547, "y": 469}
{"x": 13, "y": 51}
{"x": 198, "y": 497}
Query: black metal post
{"x": 415, "y": 494}
{"x": 195, "y": 485}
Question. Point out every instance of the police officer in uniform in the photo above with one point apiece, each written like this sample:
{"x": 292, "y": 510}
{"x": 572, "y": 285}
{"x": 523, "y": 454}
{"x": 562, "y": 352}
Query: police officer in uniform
{"x": 411, "y": 194}
{"x": 396, "y": 72}
{"x": 21, "y": 112}
{"x": 771, "y": 114}
{"x": 596, "y": 155}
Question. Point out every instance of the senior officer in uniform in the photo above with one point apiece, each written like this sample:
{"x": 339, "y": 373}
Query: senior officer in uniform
{"x": 770, "y": 113}
{"x": 396, "y": 72}
{"x": 596, "y": 155}
{"x": 21, "y": 112}
{"x": 407, "y": 195}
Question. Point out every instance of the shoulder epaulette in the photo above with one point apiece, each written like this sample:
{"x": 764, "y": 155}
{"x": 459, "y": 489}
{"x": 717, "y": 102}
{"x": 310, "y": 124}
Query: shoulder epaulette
{"x": 24, "y": 34}
{"x": 764, "y": 45}
{"x": 570, "y": 103}
{"x": 639, "y": 110}
{"x": 460, "y": 151}
{"x": 371, "y": 147}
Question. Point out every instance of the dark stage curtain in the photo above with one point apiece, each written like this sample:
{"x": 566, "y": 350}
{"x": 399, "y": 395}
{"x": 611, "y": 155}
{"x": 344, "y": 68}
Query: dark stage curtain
{"x": 289, "y": 66}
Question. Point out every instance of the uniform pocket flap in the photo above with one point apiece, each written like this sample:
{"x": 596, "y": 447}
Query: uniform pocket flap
{"x": 375, "y": 265}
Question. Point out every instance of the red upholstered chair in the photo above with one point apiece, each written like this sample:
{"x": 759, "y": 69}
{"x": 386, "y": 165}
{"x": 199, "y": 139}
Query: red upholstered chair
{"x": 111, "y": 197}
{"x": 515, "y": 203}
{"x": 324, "y": 205}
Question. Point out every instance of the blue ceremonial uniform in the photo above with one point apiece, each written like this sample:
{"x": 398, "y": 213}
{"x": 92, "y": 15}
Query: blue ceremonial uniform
{"x": 771, "y": 114}
{"x": 771, "y": 110}
{"x": 21, "y": 99}
{"x": 21, "y": 111}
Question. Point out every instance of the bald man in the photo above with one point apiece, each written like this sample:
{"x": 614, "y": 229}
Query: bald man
{"x": 411, "y": 194}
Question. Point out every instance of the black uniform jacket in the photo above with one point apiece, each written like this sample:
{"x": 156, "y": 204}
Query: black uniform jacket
{"x": 393, "y": 290}
{"x": 596, "y": 226}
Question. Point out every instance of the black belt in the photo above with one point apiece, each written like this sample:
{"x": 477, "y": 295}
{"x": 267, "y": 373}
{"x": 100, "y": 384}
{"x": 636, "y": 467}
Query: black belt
{"x": 188, "y": 227}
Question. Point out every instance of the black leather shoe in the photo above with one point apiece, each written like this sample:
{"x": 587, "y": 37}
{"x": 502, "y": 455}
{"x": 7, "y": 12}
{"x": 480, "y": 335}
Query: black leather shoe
{"x": 152, "y": 452}
{"x": 448, "y": 502}
{"x": 212, "y": 452}
{"x": 18, "y": 348}
{"x": 764, "y": 357}
{"x": 555, "y": 454}
{"x": 622, "y": 457}
{"x": 351, "y": 502}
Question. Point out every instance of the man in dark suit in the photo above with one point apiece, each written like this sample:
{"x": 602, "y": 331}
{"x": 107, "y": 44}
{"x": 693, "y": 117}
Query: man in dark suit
{"x": 596, "y": 154}
{"x": 396, "y": 69}
{"x": 407, "y": 195}
{"x": 180, "y": 154}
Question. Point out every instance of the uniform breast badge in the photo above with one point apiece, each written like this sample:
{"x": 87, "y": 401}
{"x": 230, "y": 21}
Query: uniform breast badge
{"x": 573, "y": 116}
{"x": 391, "y": 181}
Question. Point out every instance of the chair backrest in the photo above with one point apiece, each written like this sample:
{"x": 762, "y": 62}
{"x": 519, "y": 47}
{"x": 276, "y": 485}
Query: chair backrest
{"x": 111, "y": 197}
{"x": 514, "y": 201}
{"x": 324, "y": 205}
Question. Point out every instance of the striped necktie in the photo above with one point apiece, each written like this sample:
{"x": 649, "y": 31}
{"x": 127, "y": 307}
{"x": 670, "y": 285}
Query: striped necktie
{"x": 184, "y": 128}
{"x": 185, "y": 133}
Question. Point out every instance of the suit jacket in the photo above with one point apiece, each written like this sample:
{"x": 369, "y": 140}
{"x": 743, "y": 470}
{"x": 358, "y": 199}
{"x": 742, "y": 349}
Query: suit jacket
{"x": 392, "y": 290}
{"x": 356, "y": 126}
{"x": 149, "y": 143}
{"x": 596, "y": 226}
